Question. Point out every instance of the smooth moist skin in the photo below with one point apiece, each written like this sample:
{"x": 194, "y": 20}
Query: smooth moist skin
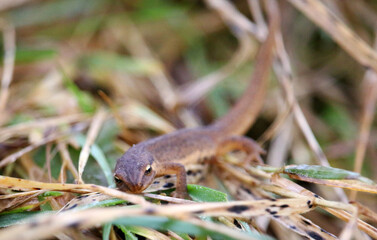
{"x": 168, "y": 154}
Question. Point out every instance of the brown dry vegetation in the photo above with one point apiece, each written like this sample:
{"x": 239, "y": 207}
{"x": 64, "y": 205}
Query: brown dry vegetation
{"x": 83, "y": 81}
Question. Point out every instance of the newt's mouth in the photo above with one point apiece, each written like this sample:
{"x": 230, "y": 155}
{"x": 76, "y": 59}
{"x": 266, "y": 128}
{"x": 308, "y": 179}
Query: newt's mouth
{"x": 130, "y": 188}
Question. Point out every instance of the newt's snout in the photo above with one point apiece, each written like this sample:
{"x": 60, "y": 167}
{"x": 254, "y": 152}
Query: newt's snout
{"x": 127, "y": 186}
{"x": 133, "y": 188}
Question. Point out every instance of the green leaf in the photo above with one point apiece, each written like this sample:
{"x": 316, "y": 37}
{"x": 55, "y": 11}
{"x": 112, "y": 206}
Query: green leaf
{"x": 20, "y": 118}
{"x": 50, "y": 11}
{"x": 155, "y": 10}
{"x": 46, "y": 206}
{"x": 29, "y": 55}
{"x": 99, "y": 156}
{"x": 104, "y": 203}
{"x": 19, "y": 209}
{"x": 51, "y": 194}
{"x": 106, "y": 229}
{"x": 84, "y": 100}
{"x": 185, "y": 236}
{"x": 204, "y": 194}
{"x": 320, "y": 172}
{"x": 100, "y": 62}
{"x": 34, "y": 55}
{"x": 165, "y": 223}
{"x": 18, "y": 218}
{"x": 340, "y": 120}
{"x": 39, "y": 157}
{"x": 43, "y": 196}
{"x": 127, "y": 233}
{"x": 12, "y": 217}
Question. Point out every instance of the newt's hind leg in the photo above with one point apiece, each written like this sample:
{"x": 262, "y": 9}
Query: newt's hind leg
{"x": 245, "y": 144}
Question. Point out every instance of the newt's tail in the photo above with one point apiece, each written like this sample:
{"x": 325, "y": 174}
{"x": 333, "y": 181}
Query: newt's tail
{"x": 239, "y": 119}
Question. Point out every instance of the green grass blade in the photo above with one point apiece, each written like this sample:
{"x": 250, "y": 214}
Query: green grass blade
{"x": 204, "y": 194}
{"x": 320, "y": 172}
{"x": 127, "y": 233}
{"x": 106, "y": 229}
{"x": 99, "y": 156}
{"x": 7, "y": 220}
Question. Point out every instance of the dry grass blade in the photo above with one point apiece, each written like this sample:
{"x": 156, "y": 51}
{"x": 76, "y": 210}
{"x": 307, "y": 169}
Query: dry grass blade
{"x": 369, "y": 105}
{"x": 307, "y": 228}
{"x": 350, "y": 229}
{"x": 233, "y": 16}
{"x": 149, "y": 233}
{"x": 255, "y": 8}
{"x": 21, "y": 194}
{"x": 294, "y": 222}
{"x": 174, "y": 235}
{"x": 370, "y": 90}
{"x": 15, "y": 202}
{"x": 95, "y": 127}
{"x": 167, "y": 199}
{"x": 276, "y": 125}
{"x": 13, "y": 157}
{"x": 284, "y": 74}
{"x": 345, "y": 216}
{"x": 329, "y": 207}
{"x": 9, "y": 38}
{"x": 67, "y": 159}
{"x": 46, "y": 226}
{"x": 348, "y": 184}
{"x": 139, "y": 48}
{"x": 365, "y": 211}
{"x": 145, "y": 116}
{"x": 25, "y": 128}
{"x": 88, "y": 218}
{"x": 50, "y": 138}
{"x": 21, "y": 184}
{"x": 197, "y": 90}
{"x": 343, "y": 35}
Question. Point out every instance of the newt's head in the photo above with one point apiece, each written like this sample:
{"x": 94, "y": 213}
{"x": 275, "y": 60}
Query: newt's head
{"x": 134, "y": 170}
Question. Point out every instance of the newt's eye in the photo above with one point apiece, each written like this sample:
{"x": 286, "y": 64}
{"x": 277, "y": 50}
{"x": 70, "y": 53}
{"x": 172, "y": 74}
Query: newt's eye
{"x": 117, "y": 180}
{"x": 148, "y": 170}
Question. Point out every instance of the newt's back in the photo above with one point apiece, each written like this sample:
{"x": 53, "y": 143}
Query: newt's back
{"x": 184, "y": 146}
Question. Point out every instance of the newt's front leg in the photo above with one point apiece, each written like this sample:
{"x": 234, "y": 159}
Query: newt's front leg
{"x": 249, "y": 146}
{"x": 179, "y": 170}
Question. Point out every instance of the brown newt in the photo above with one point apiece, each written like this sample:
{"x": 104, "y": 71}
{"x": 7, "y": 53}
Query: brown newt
{"x": 170, "y": 153}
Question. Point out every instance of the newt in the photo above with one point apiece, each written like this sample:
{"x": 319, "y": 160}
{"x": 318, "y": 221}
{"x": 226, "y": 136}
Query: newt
{"x": 136, "y": 169}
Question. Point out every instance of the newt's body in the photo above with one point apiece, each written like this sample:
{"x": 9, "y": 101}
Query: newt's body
{"x": 168, "y": 154}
